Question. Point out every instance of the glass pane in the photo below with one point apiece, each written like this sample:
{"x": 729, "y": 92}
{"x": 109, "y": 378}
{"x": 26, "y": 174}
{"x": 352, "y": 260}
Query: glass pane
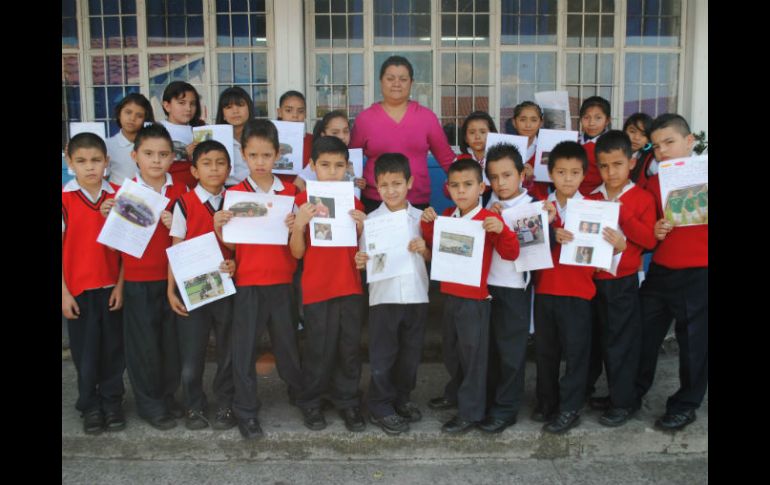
{"x": 633, "y": 31}
{"x": 191, "y": 6}
{"x": 574, "y": 30}
{"x": 527, "y": 67}
{"x": 464, "y": 67}
{"x": 94, "y": 7}
{"x": 98, "y": 74}
{"x": 465, "y": 30}
{"x": 481, "y": 99}
{"x": 573, "y": 68}
{"x": 608, "y": 6}
{"x": 575, "y": 6}
{"x": 224, "y": 68}
{"x": 448, "y": 101}
{"x": 339, "y": 31}
{"x": 223, "y": 31}
{"x": 241, "y": 68}
{"x": 100, "y": 103}
{"x": 649, "y": 68}
{"x": 546, "y": 68}
{"x": 383, "y": 6}
{"x": 448, "y": 30}
{"x": 339, "y": 6}
{"x": 240, "y": 27}
{"x": 607, "y": 68}
{"x": 465, "y": 5}
{"x": 96, "y": 33}
{"x": 528, "y": 7}
{"x": 323, "y": 100}
{"x": 588, "y": 73}
{"x": 448, "y": 69}
{"x": 323, "y": 68}
{"x": 528, "y": 30}
{"x": 607, "y": 31}
{"x": 591, "y": 35}
{"x": 70, "y": 70}
{"x": 481, "y": 69}
{"x": 339, "y": 68}
{"x": 69, "y": 32}
{"x": 355, "y": 100}
{"x": 356, "y": 68}
{"x": 322, "y": 31}
{"x": 259, "y": 68}
{"x": 321, "y": 6}
{"x": 422, "y": 29}
{"x": 509, "y": 62}
{"x": 464, "y": 100}
{"x": 592, "y": 5}
{"x": 383, "y": 29}
{"x": 259, "y": 95}
{"x": 356, "y": 30}
{"x": 128, "y": 6}
{"x": 448, "y": 5}
{"x": 129, "y": 32}
{"x": 195, "y": 30}
{"x": 258, "y": 30}
{"x": 482, "y": 5}
{"x": 339, "y": 97}
{"x": 482, "y": 30}
{"x": 509, "y": 29}
{"x": 633, "y": 67}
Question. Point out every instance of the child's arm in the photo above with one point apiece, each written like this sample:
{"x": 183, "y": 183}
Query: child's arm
{"x": 426, "y": 225}
{"x": 69, "y": 307}
{"x": 220, "y": 219}
{"x": 299, "y": 182}
{"x": 166, "y": 217}
{"x": 228, "y": 266}
{"x": 640, "y": 230}
{"x": 504, "y": 240}
{"x": 615, "y": 238}
{"x": 359, "y": 217}
{"x": 116, "y": 296}
{"x": 562, "y": 236}
{"x": 419, "y": 246}
{"x": 176, "y": 304}
{"x": 361, "y": 258}
{"x": 297, "y": 238}
{"x": 106, "y": 206}
{"x": 662, "y": 228}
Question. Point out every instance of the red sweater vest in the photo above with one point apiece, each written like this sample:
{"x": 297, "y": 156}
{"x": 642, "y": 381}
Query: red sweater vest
{"x": 153, "y": 265}
{"x": 264, "y": 264}
{"x": 181, "y": 174}
{"x": 506, "y": 243}
{"x": 593, "y": 178}
{"x": 199, "y": 218}
{"x": 86, "y": 263}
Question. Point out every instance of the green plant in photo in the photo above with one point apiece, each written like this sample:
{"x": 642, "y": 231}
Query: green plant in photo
{"x": 701, "y": 143}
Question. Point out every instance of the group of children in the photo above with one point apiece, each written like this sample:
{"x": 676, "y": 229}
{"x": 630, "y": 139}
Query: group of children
{"x": 590, "y": 317}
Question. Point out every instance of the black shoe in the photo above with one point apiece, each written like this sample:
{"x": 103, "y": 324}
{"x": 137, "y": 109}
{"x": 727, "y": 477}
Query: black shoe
{"x": 392, "y": 424}
{"x": 439, "y": 403}
{"x": 675, "y": 421}
{"x": 563, "y": 422}
{"x": 114, "y": 421}
{"x": 195, "y": 420}
{"x": 600, "y": 403}
{"x": 314, "y": 418}
{"x": 250, "y": 429}
{"x": 93, "y": 422}
{"x": 175, "y": 409}
{"x": 353, "y": 419}
{"x": 541, "y": 416}
{"x": 457, "y": 425}
{"x": 224, "y": 419}
{"x": 616, "y": 416}
{"x": 409, "y": 411}
{"x": 163, "y": 422}
{"x": 491, "y": 424}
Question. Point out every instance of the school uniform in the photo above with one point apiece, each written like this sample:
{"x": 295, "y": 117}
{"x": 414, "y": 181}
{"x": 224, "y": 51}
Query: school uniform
{"x": 646, "y": 167}
{"x": 617, "y": 322}
{"x": 676, "y": 287}
{"x": 332, "y": 303}
{"x": 536, "y": 190}
{"x": 398, "y": 309}
{"x": 122, "y": 166}
{"x": 562, "y": 326}
{"x": 592, "y": 178}
{"x": 264, "y": 300}
{"x": 96, "y": 336}
{"x": 193, "y": 217}
{"x": 466, "y": 321}
{"x": 239, "y": 170}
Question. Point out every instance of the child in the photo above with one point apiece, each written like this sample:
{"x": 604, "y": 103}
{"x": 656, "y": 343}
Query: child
{"x": 235, "y": 108}
{"x": 193, "y": 217}
{"x": 264, "y": 297}
{"x": 594, "y": 122}
{"x": 676, "y": 287}
{"x": 527, "y": 120}
{"x": 466, "y": 310}
{"x": 616, "y": 305}
{"x": 152, "y": 357}
{"x": 637, "y": 127}
{"x": 291, "y": 107}
{"x": 473, "y": 142}
{"x": 398, "y": 308}
{"x": 92, "y": 288}
{"x": 331, "y": 297}
{"x": 130, "y": 114}
{"x": 182, "y": 106}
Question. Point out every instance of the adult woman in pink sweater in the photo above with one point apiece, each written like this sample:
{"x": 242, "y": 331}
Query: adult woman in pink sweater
{"x": 397, "y": 124}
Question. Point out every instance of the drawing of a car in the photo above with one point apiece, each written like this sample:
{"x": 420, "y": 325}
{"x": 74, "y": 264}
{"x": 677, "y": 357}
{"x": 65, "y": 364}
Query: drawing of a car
{"x": 134, "y": 210}
{"x": 248, "y": 209}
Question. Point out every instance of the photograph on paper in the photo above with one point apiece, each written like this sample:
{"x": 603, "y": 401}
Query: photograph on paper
{"x": 181, "y": 135}
{"x": 133, "y": 209}
{"x": 688, "y": 206}
{"x": 204, "y": 287}
{"x": 586, "y": 219}
{"x": 332, "y": 225}
{"x": 202, "y": 135}
{"x": 546, "y": 140}
{"x": 555, "y": 119}
{"x": 684, "y": 190}
{"x": 95, "y": 127}
{"x": 250, "y": 209}
{"x": 556, "y": 112}
{"x": 587, "y": 227}
{"x": 458, "y": 250}
{"x": 221, "y": 133}
{"x": 529, "y": 230}
{"x": 291, "y": 137}
{"x": 322, "y": 231}
{"x": 456, "y": 244}
{"x": 257, "y": 218}
{"x": 324, "y": 206}
{"x": 544, "y": 158}
{"x": 583, "y": 254}
{"x": 530, "y": 223}
{"x": 378, "y": 263}
{"x": 386, "y": 241}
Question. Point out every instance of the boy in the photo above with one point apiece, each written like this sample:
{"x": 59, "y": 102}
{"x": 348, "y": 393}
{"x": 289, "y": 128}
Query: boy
{"x": 616, "y": 305}
{"x": 398, "y": 308}
{"x": 675, "y": 287}
{"x": 264, "y": 297}
{"x": 92, "y": 288}
{"x": 331, "y": 297}
{"x": 152, "y": 357}
{"x": 466, "y": 311}
{"x": 193, "y": 217}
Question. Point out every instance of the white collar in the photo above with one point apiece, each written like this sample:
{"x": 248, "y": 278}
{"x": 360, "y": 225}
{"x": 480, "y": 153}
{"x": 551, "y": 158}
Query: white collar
{"x": 522, "y": 198}
{"x": 122, "y": 140}
{"x": 473, "y": 155}
{"x": 531, "y": 149}
{"x": 204, "y": 195}
{"x": 603, "y": 190}
{"x": 168, "y": 183}
{"x": 275, "y": 188}
{"x": 410, "y": 210}
{"x": 469, "y": 215}
{"x": 73, "y": 186}
{"x": 552, "y": 198}
{"x": 583, "y": 140}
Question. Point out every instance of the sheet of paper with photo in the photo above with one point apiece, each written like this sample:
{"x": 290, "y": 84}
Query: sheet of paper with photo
{"x": 520, "y": 142}
{"x": 195, "y": 264}
{"x": 133, "y": 219}
{"x": 291, "y": 136}
{"x": 684, "y": 190}
{"x": 356, "y": 159}
{"x": 180, "y": 133}
{"x": 332, "y": 225}
{"x": 95, "y": 127}
{"x": 534, "y": 252}
{"x": 546, "y": 140}
{"x": 386, "y": 242}
{"x": 458, "y": 250}
{"x": 555, "y": 106}
{"x": 221, "y": 133}
{"x": 588, "y": 248}
{"x": 258, "y": 218}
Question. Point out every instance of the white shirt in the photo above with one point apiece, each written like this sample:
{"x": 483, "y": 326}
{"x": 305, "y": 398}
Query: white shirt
{"x": 122, "y": 166}
{"x": 603, "y": 189}
{"x": 274, "y": 189}
{"x": 179, "y": 222}
{"x": 469, "y": 215}
{"x": 404, "y": 289}
{"x": 168, "y": 183}
{"x": 502, "y": 272}
{"x": 73, "y": 186}
{"x": 562, "y": 210}
{"x": 531, "y": 150}
{"x": 239, "y": 170}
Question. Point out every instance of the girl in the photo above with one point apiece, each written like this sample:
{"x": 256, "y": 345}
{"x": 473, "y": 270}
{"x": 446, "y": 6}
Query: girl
{"x": 527, "y": 121}
{"x": 594, "y": 122}
{"x": 637, "y": 127}
{"x": 473, "y": 142}
{"x": 235, "y": 108}
{"x": 291, "y": 107}
{"x": 131, "y": 114}
{"x": 181, "y": 104}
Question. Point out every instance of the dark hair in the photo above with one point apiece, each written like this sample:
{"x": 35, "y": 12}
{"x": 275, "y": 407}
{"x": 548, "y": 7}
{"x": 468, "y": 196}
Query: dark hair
{"x": 501, "y": 151}
{"x": 637, "y": 118}
{"x": 463, "y": 164}
{"x": 320, "y": 125}
{"x": 139, "y": 100}
{"x": 397, "y": 61}
{"x": 568, "y": 149}
{"x": 476, "y": 115}
{"x": 392, "y": 163}
{"x": 232, "y": 95}
{"x": 527, "y": 104}
{"x": 290, "y": 94}
{"x": 671, "y": 120}
{"x": 86, "y": 140}
{"x": 155, "y": 130}
{"x": 597, "y": 101}
{"x": 614, "y": 140}
{"x": 209, "y": 146}
{"x": 176, "y": 89}
{"x": 264, "y": 129}
{"x": 328, "y": 144}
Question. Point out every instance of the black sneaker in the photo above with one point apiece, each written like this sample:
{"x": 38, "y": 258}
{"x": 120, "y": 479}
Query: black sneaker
{"x": 616, "y": 416}
{"x": 93, "y": 422}
{"x": 250, "y": 428}
{"x": 224, "y": 419}
{"x": 163, "y": 422}
{"x": 392, "y": 424}
{"x": 675, "y": 421}
{"x": 114, "y": 420}
{"x": 409, "y": 411}
{"x": 439, "y": 403}
{"x": 353, "y": 419}
{"x": 565, "y": 421}
{"x": 314, "y": 418}
{"x": 195, "y": 420}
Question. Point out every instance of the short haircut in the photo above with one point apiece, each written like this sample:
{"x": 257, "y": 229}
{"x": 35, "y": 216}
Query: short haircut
{"x": 328, "y": 144}
{"x": 86, "y": 140}
{"x": 476, "y": 115}
{"x": 392, "y": 163}
{"x": 397, "y": 61}
{"x": 263, "y": 129}
{"x": 614, "y": 140}
{"x": 637, "y": 119}
{"x": 320, "y": 125}
{"x": 568, "y": 149}
{"x": 139, "y": 100}
{"x": 155, "y": 130}
{"x": 176, "y": 89}
{"x": 597, "y": 101}
{"x": 290, "y": 94}
{"x": 209, "y": 146}
{"x": 671, "y": 120}
{"x": 527, "y": 104}
{"x": 501, "y": 151}
{"x": 233, "y": 95}
{"x": 463, "y": 164}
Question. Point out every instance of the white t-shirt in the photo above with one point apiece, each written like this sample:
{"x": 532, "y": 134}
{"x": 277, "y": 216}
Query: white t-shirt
{"x": 122, "y": 166}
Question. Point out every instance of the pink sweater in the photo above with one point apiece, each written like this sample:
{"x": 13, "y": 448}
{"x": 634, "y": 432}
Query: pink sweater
{"x": 419, "y": 130}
